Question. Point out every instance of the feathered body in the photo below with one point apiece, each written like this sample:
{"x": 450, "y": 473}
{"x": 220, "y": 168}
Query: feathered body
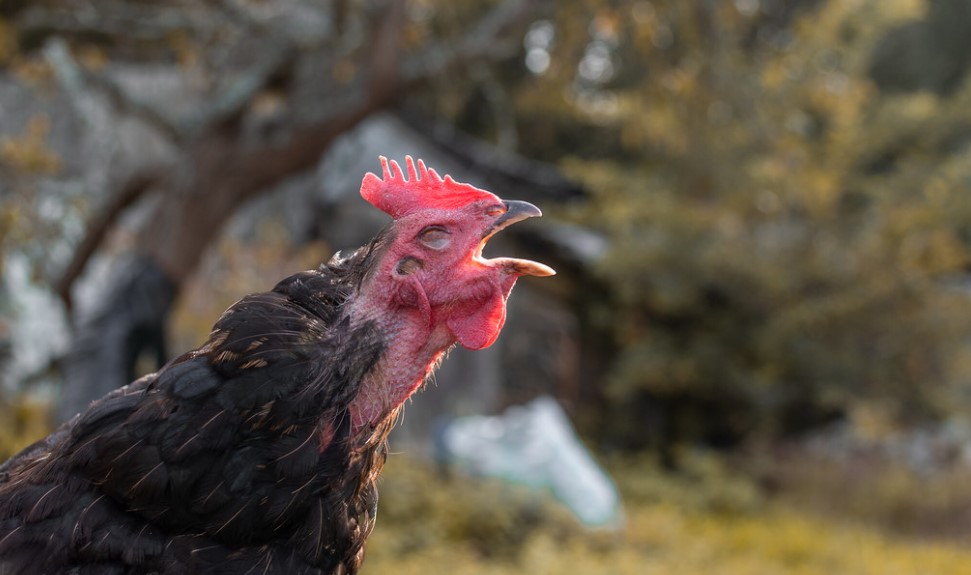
{"x": 259, "y": 451}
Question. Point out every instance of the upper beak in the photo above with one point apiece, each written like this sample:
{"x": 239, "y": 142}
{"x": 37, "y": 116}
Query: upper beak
{"x": 516, "y": 211}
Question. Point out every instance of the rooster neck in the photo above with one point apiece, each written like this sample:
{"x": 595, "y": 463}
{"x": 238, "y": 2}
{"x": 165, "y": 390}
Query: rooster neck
{"x": 414, "y": 348}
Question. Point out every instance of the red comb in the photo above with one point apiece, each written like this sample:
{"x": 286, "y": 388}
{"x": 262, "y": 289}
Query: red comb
{"x": 423, "y": 189}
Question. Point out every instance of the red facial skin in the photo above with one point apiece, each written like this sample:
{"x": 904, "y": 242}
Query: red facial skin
{"x": 432, "y": 288}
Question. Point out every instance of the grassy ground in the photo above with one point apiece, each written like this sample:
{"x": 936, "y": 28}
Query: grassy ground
{"x": 703, "y": 522}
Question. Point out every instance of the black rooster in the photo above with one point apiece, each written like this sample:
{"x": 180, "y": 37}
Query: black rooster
{"x": 259, "y": 451}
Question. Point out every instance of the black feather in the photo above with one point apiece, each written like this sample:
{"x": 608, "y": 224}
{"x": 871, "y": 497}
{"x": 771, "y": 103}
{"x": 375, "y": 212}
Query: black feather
{"x": 216, "y": 463}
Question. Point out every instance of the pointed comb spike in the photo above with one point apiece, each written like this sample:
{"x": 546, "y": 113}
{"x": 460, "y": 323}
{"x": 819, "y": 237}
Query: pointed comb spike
{"x": 422, "y": 169}
{"x": 384, "y": 168}
{"x": 435, "y": 177}
{"x": 410, "y": 163}
{"x": 396, "y": 173}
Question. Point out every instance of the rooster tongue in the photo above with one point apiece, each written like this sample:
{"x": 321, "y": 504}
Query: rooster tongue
{"x": 516, "y": 211}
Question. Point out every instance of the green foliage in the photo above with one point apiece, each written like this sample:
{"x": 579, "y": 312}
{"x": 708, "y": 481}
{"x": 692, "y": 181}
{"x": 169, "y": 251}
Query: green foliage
{"x": 22, "y": 422}
{"x": 675, "y": 524}
{"x": 702, "y": 484}
{"x": 28, "y": 153}
{"x": 787, "y": 242}
{"x": 31, "y": 221}
{"x": 489, "y": 519}
{"x": 874, "y": 490}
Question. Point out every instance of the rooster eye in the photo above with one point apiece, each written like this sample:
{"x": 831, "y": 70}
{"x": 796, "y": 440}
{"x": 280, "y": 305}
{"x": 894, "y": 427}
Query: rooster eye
{"x": 435, "y": 238}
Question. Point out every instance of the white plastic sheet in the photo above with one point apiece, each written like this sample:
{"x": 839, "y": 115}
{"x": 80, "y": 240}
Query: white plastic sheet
{"x": 535, "y": 445}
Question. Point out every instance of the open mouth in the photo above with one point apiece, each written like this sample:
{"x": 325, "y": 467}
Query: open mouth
{"x": 515, "y": 212}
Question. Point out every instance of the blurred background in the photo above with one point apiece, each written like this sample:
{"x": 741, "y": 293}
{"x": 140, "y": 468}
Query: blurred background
{"x": 759, "y": 211}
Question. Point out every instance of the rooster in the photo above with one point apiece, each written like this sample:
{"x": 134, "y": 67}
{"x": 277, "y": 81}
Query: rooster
{"x": 259, "y": 451}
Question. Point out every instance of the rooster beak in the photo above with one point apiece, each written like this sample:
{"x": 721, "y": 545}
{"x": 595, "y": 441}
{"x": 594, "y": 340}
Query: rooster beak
{"x": 516, "y": 211}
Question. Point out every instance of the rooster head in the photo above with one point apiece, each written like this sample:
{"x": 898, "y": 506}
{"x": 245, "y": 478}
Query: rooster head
{"x": 434, "y": 265}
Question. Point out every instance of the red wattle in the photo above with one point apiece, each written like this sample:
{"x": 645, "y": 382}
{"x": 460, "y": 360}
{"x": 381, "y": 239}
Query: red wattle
{"x": 480, "y": 327}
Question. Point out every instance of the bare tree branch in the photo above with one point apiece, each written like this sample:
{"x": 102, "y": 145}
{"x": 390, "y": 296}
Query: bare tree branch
{"x": 267, "y": 166}
{"x": 500, "y": 168}
{"x": 386, "y": 51}
{"x": 109, "y": 21}
{"x": 98, "y": 227}
{"x": 77, "y": 82}
{"x": 503, "y": 112}
{"x": 488, "y": 40}
{"x": 277, "y": 53}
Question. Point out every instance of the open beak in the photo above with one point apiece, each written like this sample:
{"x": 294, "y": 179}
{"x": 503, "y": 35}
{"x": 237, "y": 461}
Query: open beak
{"x": 516, "y": 211}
